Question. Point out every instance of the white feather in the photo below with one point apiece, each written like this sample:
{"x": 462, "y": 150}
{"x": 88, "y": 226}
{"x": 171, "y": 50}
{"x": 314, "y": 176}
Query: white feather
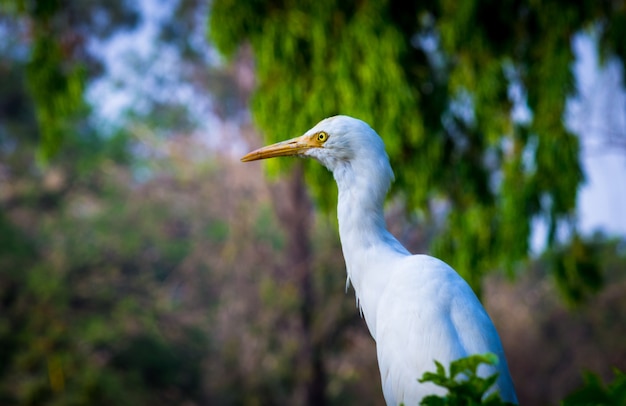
{"x": 417, "y": 308}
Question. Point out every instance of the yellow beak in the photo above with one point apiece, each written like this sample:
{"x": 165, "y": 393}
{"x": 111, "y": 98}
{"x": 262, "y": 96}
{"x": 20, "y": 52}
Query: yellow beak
{"x": 294, "y": 146}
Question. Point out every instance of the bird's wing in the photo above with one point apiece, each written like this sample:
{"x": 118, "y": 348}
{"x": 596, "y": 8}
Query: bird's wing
{"x": 428, "y": 313}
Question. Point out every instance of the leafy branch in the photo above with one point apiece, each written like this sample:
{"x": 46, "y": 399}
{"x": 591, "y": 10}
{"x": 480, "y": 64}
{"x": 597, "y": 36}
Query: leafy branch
{"x": 465, "y": 386}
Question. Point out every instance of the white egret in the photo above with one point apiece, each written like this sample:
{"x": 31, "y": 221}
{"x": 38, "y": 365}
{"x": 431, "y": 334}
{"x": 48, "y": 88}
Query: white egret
{"x": 417, "y": 308}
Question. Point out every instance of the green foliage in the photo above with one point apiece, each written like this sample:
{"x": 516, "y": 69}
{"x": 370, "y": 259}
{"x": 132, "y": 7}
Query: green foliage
{"x": 595, "y": 392}
{"x": 312, "y": 63}
{"x": 434, "y": 79}
{"x": 578, "y": 269}
{"x": 464, "y": 385}
{"x": 58, "y": 64}
{"x": 264, "y": 229}
{"x": 55, "y": 82}
{"x": 158, "y": 280}
{"x": 116, "y": 291}
{"x": 57, "y": 92}
{"x": 71, "y": 309}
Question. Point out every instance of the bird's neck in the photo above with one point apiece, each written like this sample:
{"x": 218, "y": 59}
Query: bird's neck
{"x": 360, "y": 215}
{"x": 366, "y": 243}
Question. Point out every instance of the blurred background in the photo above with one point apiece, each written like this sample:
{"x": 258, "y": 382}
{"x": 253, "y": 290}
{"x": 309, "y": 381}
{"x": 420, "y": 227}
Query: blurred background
{"x": 142, "y": 263}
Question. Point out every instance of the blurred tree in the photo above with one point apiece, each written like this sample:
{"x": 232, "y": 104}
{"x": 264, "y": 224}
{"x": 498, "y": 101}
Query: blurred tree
{"x": 596, "y": 393}
{"x": 575, "y": 336}
{"x": 125, "y": 267}
{"x": 61, "y": 329}
{"x": 51, "y": 40}
{"x": 468, "y": 98}
{"x": 92, "y": 312}
{"x": 137, "y": 267}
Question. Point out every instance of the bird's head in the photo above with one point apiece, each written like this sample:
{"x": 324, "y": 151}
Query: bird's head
{"x": 336, "y": 142}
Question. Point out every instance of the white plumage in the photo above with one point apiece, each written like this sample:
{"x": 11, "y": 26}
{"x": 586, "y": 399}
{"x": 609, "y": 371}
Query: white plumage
{"x": 417, "y": 308}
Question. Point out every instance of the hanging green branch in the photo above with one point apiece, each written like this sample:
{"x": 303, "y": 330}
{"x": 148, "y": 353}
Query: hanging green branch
{"x": 434, "y": 79}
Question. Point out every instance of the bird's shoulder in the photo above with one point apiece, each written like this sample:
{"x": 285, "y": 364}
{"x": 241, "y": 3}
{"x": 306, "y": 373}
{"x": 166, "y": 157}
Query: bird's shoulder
{"x": 427, "y": 299}
{"x": 425, "y": 274}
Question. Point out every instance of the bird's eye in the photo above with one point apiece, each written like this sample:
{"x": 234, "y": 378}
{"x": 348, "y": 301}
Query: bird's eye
{"x": 322, "y": 136}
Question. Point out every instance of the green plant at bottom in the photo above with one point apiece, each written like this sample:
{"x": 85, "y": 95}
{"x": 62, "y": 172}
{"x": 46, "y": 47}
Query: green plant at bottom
{"x": 465, "y": 386}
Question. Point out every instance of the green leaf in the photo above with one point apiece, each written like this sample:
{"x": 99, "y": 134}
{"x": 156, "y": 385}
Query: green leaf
{"x": 465, "y": 386}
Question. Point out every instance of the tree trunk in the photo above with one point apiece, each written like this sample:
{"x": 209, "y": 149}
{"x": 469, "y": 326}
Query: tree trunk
{"x": 295, "y": 213}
